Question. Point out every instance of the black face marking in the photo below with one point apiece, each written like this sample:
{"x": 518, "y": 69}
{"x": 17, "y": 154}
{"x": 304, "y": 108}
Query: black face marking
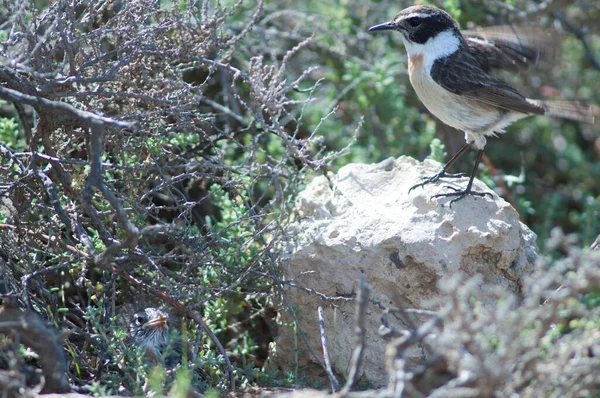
{"x": 420, "y": 23}
{"x": 414, "y": 21}
{"x": 421, "y": 29}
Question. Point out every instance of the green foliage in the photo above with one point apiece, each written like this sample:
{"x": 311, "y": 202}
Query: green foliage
{"x": 453, "y": 7}
{"x": 438, "y": 150}
{"x": 11, "y": 134}
{"x": 118, "y": 354}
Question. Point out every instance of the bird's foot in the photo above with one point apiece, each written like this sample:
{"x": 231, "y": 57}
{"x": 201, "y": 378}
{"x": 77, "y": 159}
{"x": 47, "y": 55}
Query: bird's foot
{"x": 435, "y": 178}
{"x": 461, "y": 194}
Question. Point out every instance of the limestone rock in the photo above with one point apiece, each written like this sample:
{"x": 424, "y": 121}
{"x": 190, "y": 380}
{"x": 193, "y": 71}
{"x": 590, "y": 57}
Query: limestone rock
{"x": 365, "y": 224}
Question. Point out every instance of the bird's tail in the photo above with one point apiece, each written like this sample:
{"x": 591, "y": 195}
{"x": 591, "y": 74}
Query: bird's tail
{"x": 570, "y": 110}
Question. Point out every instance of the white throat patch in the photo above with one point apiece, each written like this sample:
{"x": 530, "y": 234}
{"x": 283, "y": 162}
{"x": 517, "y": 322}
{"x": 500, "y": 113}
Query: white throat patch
{"x": 442, "y": 45}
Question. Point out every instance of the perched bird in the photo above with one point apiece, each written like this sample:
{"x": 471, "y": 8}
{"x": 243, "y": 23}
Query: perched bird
{"x": 449, "y": 70}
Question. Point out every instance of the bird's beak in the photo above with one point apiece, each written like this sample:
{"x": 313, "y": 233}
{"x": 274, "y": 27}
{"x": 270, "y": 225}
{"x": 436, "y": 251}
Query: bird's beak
{"x": 384, "y": 26}
{"x": 158, "y": 322}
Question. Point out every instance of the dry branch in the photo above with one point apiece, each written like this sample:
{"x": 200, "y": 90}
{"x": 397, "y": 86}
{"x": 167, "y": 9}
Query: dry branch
{"x": 27, "y": 328}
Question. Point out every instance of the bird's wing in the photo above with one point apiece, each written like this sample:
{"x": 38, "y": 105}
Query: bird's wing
{"x": 462, "y": 74}
{"x": 512, "y": 48}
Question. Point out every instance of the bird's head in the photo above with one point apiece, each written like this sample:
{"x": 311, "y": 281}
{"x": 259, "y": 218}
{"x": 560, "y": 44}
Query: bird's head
{"x": 149, "y": 329}
{"x": 423, "y": 26}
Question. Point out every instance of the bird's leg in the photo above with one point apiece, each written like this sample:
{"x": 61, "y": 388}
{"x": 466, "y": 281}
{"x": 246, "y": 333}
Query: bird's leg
{"x": 442, "y": 173}
{"x": 461, "y": 194}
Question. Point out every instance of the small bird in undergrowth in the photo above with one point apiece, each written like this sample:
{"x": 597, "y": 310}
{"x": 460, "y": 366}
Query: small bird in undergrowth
{"x": 150, "y": 332}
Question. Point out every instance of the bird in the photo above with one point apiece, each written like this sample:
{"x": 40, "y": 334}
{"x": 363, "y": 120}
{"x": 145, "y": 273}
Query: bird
{"x": 450, "y": 72}
{"x": 149, "y": 330}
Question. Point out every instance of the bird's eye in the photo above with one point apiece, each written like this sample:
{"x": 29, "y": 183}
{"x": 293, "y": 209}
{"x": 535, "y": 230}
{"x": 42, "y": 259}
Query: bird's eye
{"x": 140, "y": 320}
{"x": 414, "y": 21}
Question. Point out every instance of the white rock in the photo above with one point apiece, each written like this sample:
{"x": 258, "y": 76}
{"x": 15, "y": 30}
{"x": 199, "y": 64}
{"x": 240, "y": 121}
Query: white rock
{"x": 367, "y": 225}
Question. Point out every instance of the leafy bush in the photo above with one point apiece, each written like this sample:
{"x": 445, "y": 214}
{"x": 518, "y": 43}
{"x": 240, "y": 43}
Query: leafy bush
{"x": 160, "y": 167}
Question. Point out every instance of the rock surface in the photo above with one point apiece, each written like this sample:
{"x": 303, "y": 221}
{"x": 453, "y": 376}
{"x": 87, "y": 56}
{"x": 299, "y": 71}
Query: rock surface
{"x": 367, "y": 225}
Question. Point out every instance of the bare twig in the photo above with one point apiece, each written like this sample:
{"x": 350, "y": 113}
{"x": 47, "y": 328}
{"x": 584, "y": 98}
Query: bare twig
{"x": 596, "y": 244}
{"x": 84, "y": 116}
{"x": 396, "y": 351}
{"x": 335, "y": 385}
{"x": 46, "y": 341}
{"x": 292, "y": 313}
{"x": 362, "y": 300}
{"x": 95, "y": 180}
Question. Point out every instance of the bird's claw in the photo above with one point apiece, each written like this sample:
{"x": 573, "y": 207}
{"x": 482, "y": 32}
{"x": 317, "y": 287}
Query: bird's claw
{"x": 435, "y": 178}
{"x": 460, "y": 194}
